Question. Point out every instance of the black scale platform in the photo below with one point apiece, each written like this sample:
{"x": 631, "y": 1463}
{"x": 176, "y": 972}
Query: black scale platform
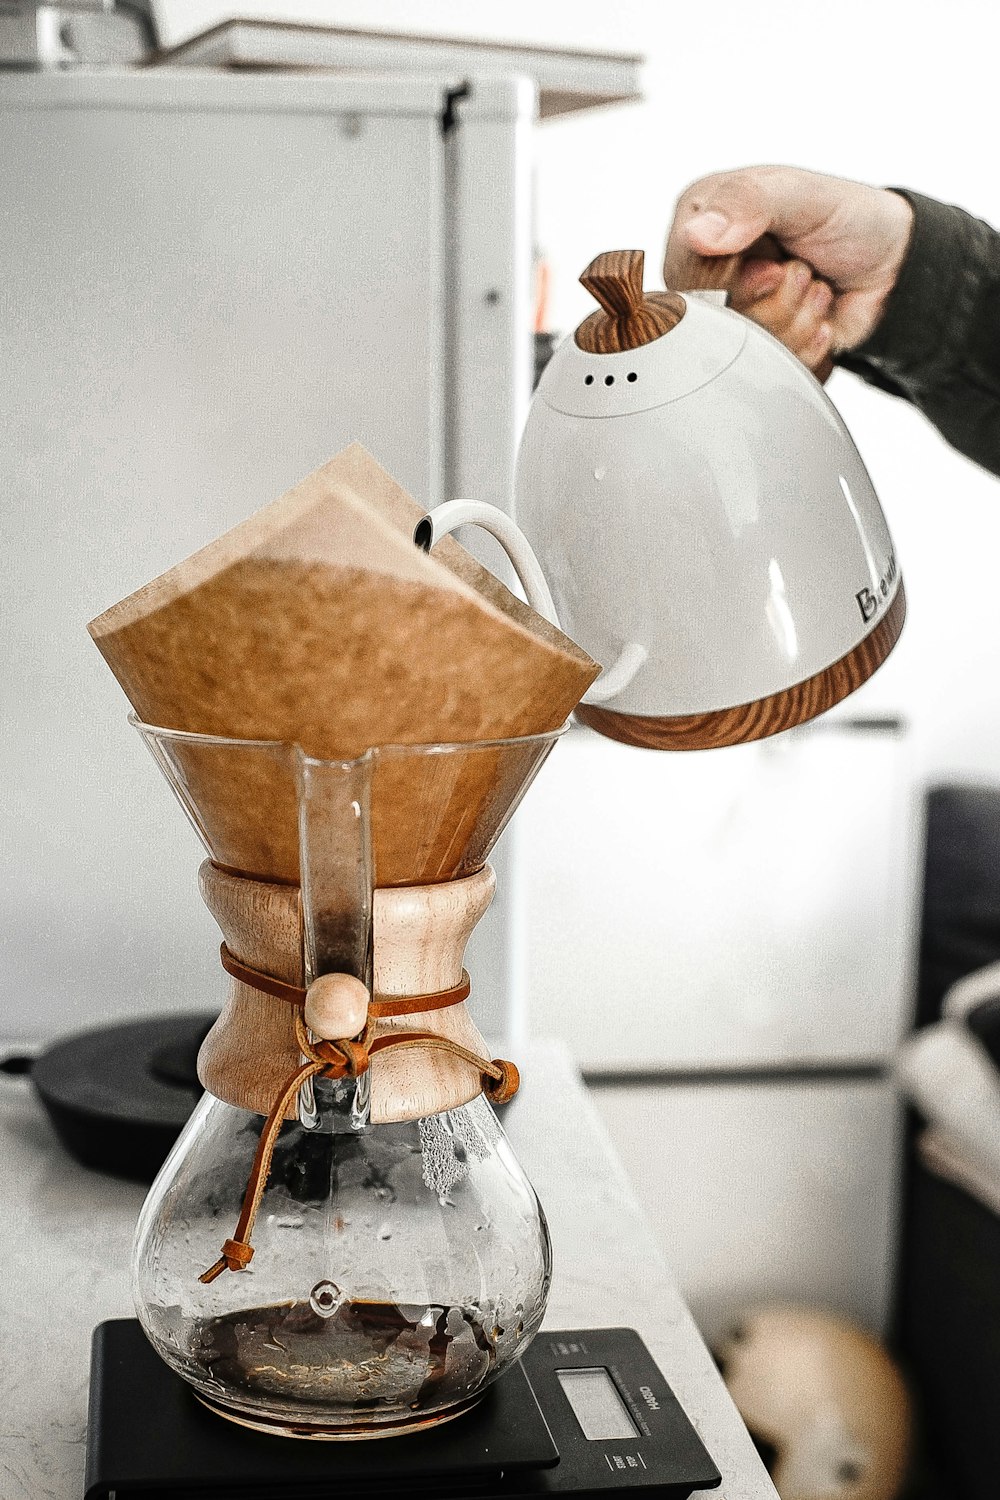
{"x": 150, "y": 1439}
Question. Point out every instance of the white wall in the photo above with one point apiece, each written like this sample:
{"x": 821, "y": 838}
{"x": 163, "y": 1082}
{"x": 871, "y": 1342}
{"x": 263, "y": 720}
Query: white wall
{"x": 885, "y": 91}
{"x": 763, "y": 1191}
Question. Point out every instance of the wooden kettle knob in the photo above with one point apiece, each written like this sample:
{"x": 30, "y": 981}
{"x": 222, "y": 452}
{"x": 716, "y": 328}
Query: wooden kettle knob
{"x": 629, "y": 317}
{"x": 615, "y": 280}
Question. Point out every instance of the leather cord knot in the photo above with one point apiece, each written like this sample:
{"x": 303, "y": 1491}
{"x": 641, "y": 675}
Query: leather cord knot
{"x": 340, "y": 1059}
{"x": 236, "y": 1255}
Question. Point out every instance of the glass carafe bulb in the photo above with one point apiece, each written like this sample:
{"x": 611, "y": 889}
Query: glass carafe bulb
{"x": 398, "y": 1268}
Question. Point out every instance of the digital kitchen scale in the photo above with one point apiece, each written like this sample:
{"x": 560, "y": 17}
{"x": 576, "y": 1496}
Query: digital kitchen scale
{"x": 585, "y": 1413}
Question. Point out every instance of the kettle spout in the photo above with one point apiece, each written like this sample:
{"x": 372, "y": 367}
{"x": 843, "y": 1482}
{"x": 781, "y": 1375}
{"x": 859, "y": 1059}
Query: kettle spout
{"x": 453, "y": 513}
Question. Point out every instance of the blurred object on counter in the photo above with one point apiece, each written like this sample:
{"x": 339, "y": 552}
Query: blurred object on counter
{"x": 823, "y": 1401}
{"x": 119, "y": 1096}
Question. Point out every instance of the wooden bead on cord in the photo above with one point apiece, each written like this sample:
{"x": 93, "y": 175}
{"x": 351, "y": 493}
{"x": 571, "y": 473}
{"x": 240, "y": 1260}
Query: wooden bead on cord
{"x": 336, "y": 1007}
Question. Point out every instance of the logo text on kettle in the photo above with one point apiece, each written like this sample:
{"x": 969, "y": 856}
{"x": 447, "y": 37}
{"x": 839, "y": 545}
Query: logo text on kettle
{"x": 870, "y": 599}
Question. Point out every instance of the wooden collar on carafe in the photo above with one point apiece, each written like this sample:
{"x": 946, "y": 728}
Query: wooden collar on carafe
{"x": 420, "y": 936}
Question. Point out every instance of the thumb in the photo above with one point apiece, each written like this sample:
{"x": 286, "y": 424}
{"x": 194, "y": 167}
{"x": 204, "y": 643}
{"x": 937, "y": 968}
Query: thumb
{"x": 722, "y": 229}
{"x": 725, "y": 213}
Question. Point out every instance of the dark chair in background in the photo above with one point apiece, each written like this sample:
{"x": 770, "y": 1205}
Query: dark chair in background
{"x": 947, "y": 1320}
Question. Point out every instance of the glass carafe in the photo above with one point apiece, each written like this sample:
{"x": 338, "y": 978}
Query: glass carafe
{"x": 398, "y": 1269}
{"x": 400, "y": 1260}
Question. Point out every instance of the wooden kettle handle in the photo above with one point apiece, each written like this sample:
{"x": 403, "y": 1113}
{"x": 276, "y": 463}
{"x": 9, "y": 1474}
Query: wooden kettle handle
{"x": 686, "y": 271}
{"x": 705, "y": 273}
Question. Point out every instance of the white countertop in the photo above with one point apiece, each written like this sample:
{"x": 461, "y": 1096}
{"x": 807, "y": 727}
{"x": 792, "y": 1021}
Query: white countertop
{"x": 65, "y": 1236}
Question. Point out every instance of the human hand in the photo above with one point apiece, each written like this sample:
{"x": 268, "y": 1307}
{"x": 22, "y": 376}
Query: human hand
{"x": 738, "y": 229}
{"x": 792, "y": 304}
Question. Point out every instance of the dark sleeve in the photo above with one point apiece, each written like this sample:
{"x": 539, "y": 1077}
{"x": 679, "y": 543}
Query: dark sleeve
{"x": 938, "y": 343}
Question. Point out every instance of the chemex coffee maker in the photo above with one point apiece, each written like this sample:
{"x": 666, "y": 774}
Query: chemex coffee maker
{"x": 349, "y": 708}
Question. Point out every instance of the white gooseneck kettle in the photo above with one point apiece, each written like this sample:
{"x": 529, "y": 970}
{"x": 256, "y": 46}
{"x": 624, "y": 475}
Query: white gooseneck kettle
{"x": 693, "y": 511}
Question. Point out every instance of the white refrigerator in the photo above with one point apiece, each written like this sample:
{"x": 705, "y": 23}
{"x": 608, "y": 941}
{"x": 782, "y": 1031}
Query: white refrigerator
{"x": 212, "y": 281}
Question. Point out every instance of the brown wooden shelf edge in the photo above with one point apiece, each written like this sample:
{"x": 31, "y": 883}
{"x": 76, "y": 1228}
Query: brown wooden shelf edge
{"x": 764, "y": 716}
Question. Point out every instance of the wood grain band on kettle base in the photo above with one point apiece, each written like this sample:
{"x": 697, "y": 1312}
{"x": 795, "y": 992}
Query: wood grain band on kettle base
{"x": 764, "y": 716}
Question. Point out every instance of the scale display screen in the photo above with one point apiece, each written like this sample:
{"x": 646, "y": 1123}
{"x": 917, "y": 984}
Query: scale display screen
{"x": 597, "y": 1406}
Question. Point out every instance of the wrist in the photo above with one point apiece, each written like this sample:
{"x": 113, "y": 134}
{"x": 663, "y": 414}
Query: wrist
{"x": 899, "y": 220}
{"x": 931, "y": 300}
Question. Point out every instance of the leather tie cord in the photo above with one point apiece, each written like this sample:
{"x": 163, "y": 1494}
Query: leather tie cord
{"x": 378, "y": 1006}
{"x": 340, "y": 1059}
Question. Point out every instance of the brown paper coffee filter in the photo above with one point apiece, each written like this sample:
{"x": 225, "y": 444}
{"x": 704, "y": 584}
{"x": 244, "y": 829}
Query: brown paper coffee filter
{"x": 318, "y": 623}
